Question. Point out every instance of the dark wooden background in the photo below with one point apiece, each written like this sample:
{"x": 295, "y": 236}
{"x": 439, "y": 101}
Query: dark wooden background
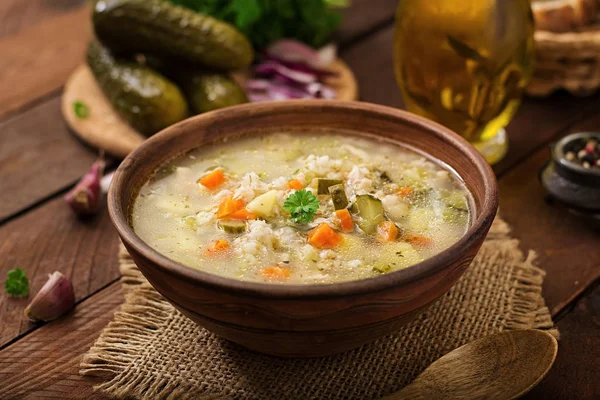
{"x": 42, "y": 41}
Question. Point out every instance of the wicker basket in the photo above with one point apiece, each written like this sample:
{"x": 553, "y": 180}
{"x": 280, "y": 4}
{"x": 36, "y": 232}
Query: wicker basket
{"x": 568, "y": 61}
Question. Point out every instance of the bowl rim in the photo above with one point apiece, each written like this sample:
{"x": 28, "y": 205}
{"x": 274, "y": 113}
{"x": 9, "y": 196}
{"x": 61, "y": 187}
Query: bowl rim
{"x": 429, "y": 266}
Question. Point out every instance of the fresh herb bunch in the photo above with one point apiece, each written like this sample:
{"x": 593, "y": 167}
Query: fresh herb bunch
{"x": 17, "y": 284}
{"x": 266, "y": 21}
{"x": 302, "y": 206}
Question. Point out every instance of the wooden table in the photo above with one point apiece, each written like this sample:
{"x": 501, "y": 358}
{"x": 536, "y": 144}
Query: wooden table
{"x": 42, "y": 41}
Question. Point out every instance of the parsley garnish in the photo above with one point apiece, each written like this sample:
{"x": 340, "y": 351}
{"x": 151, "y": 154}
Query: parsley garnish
{"x": 302, "y": 206}
{"x": 17, "y": 284}
{"x": 81, "y": 109}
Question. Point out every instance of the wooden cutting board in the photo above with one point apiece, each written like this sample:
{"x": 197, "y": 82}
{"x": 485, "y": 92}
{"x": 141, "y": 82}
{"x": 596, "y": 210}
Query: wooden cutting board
{"x": 104, "y": 129}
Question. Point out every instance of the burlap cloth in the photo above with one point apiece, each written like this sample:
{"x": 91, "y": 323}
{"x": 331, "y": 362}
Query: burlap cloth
{"x": 152, "y": 351}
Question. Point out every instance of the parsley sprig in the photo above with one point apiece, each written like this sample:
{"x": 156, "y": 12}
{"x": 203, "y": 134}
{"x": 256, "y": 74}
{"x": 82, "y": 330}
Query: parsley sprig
{"x": 81, "y": 109}
{"x": 302, "y": 206}
{"x": 17, "y": 284}
{"x": 266, "y": 21}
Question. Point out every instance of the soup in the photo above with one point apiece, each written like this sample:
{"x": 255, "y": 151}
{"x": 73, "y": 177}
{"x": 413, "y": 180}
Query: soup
{"x": 301, "y": 209}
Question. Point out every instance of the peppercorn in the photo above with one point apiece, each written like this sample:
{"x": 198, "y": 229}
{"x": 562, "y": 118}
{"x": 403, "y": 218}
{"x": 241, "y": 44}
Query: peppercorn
{"x": 585, "y": 152}
{"x": 590, "y": 147}
{"x": 589, "y": 158}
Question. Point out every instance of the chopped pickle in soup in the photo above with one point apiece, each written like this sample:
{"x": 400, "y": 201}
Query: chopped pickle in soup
{"x": 301, "y": 209}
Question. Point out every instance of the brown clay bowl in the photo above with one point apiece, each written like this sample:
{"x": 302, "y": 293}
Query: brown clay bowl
{"x": 305, "y": 320}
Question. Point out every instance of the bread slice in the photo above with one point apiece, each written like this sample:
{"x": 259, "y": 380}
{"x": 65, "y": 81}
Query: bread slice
{"x": 563, "y": 15}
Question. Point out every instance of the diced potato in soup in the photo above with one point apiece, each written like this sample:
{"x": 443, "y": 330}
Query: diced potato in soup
{"x": 301, "y": 209}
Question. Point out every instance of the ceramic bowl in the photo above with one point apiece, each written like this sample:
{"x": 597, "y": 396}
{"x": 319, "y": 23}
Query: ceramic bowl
{"x": 305, "y": 320}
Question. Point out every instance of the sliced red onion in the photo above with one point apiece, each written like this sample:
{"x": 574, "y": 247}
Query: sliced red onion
{"x": 315, "y": 89}
{"x": 257, "y": 84}
{"x": 282, "y": 80}
{"x": 292, "y": 70}
{"x": 298, "y": 66}
{"x": 294, "y": 51}
{"x": 282, "y": 92}
{"x": 271, "y": 68}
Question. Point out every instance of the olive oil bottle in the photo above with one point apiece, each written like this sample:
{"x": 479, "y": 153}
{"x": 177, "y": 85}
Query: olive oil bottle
{"x": 465, "y": 64}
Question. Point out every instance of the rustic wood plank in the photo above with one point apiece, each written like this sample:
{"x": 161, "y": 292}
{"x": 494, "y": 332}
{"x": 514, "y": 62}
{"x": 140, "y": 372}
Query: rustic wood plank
{"x": 567, "y": 249}
{"x": 575, "y": 373}
{"x": 17, "y": 15}
{"x": 50, "y": 239}
{"x": 38, "y": 61}
{"x": 372, "y": 62}
{"x": 537, "y": 121}
{"x": 364, "y": 16}
{"x": 38, "y": 156}
{"x": 45, "y": 364}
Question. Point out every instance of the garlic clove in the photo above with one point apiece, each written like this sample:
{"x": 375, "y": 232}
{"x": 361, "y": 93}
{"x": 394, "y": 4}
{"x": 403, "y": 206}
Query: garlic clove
{"x": 85, "y": 198}
{"x": 54, "y": 299}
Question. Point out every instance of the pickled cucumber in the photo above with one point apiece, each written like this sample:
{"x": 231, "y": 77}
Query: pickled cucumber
{"x": 207, "y": 91}
{"x": 167, "y": 30}
{"x": 324, "y": 184}
{"x": 232, "y": 226}
{"x": 146, "y": 99}
{"x": 370, "y": 211}
{"x": 338, "y": 196}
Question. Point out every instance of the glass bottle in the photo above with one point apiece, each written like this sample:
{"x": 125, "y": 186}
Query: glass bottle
{"x": 465, "y": 65}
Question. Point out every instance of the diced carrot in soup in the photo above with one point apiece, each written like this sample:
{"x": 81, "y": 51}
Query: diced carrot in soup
{"x": 405, "y": 191}
{"x": 324, "y": 237}
{"x": 418, "y": 240}
{"x": 387, "y": 231}
{"x": 218, "y": 246}
{"x": 242, "y": 214}
{"x": 229, "y": 206}
{"x": 276, "y": 273}
{"x": 295, "y": 184}
{"x": 213, "y": 179}
{"x": 345, "y": 218}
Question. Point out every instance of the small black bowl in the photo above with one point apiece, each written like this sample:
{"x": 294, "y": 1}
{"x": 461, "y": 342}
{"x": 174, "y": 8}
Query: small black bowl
{"x": 568, "y": 181}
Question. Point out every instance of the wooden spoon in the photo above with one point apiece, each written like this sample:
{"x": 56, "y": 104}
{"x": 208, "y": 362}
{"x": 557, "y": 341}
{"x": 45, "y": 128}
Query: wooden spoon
{"x": 497, "y": 367}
